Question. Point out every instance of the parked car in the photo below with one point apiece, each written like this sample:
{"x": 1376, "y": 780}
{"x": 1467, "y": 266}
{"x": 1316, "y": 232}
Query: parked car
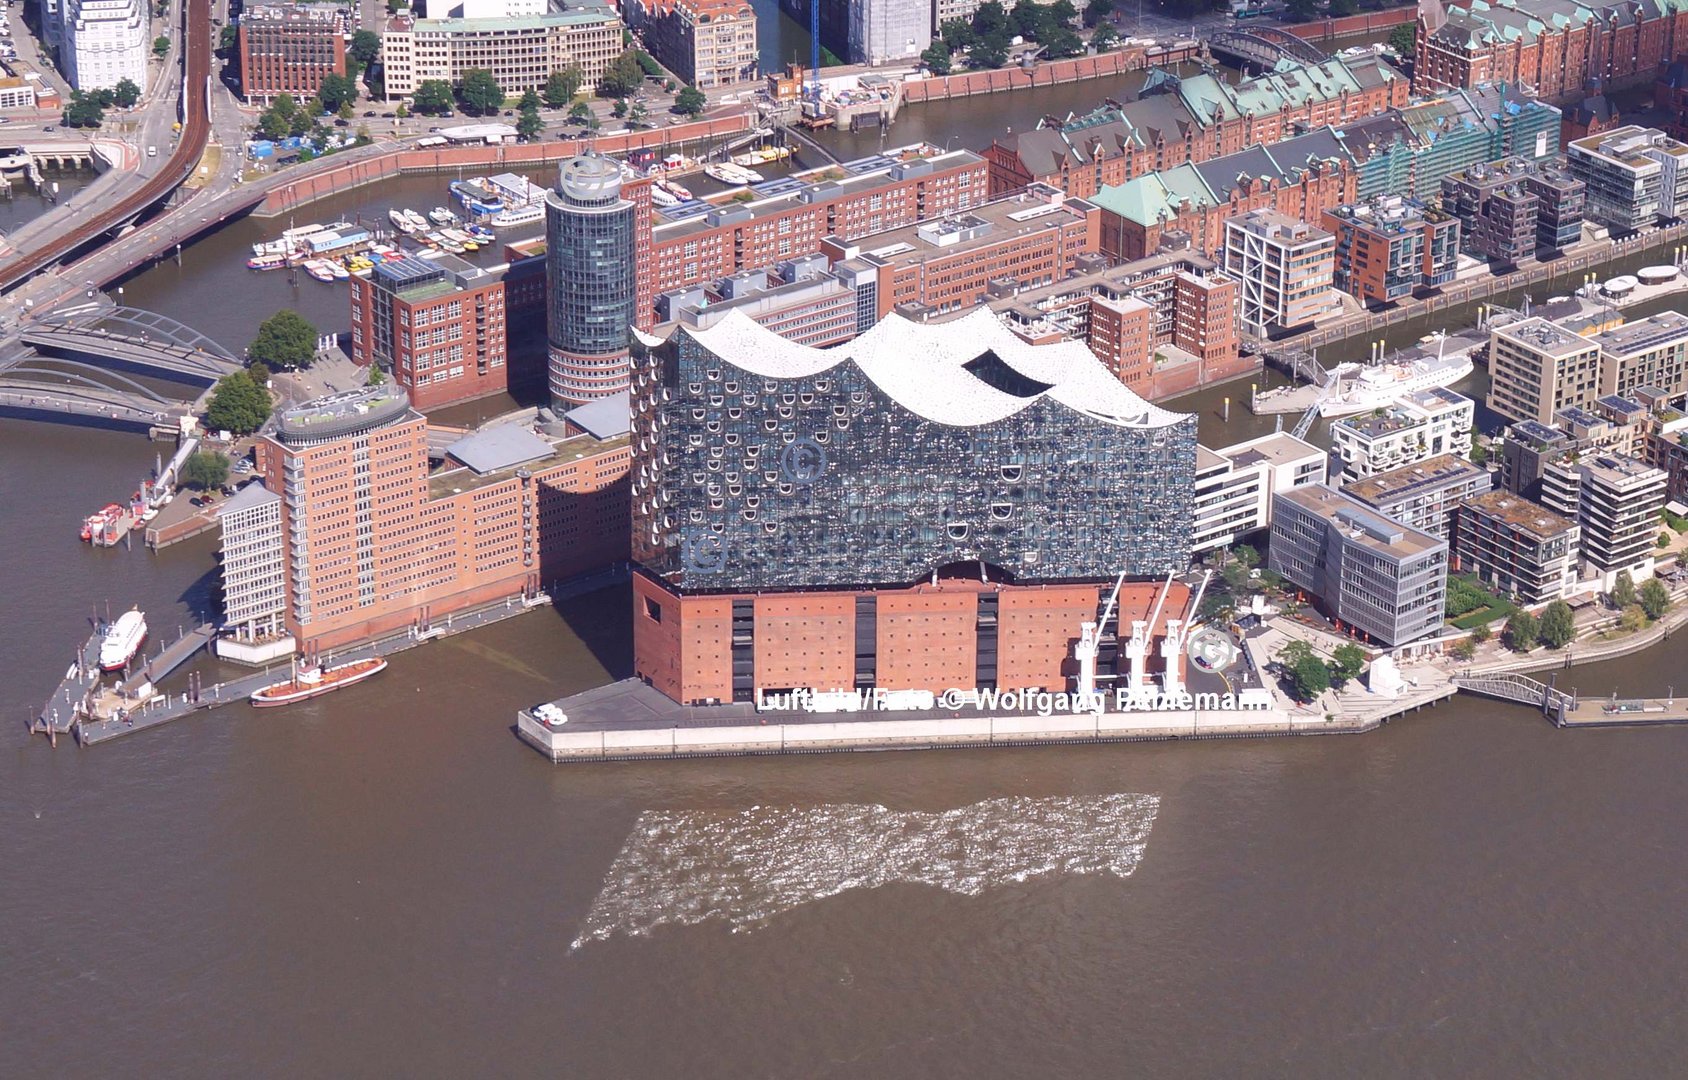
{"x": 369, "y": 114}
{"x": 389, "y": 115}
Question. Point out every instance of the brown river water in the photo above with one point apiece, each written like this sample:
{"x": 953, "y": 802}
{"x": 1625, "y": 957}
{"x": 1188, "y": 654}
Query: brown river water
{"x": 386, "y": 882}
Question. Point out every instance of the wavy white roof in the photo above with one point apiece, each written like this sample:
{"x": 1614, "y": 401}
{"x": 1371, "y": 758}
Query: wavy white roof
{"x": 920, "y": 366}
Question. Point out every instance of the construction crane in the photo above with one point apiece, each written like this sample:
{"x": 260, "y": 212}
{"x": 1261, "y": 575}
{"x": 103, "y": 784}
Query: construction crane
{"x": 815, "y": 49}
{"x": 1137, "y": 649}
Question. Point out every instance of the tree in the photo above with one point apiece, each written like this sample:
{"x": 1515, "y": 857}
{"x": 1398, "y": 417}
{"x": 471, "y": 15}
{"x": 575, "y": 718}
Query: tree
{"x": 622, "y": 77}
{"x": 125, "y": 94}
{"x": 228, "y": 39}
{"x": 239, "y": 404}
{"x": 1346, "y": 661}
{"x": 528, "y": 100}
{"x": 1310, "y": 676}
{"x": 529, "y": 125}
{"x": 260, "y": 372}
{"x": 958, "y": 34}
{"x": 690, "y": 101}
{"x": 271, "y": 125}
{"x": 376, "y": 376}
{"x": 1097, "y": 10}
{"x": 205, "y": 469}
{"x": 1339, "y": 8}
{"x": 1301, "y": 10}
{"x": 433, "y": 97}
{"x": 1404, "y": 39}
{"x": 581, "y": 111}
{"x": 365, "y": 47}
{"x": 619, "y": 109}
{"x": 1623, "y": 590}
{"x": 83, "y": 111}
{"x": 1463, "y": 650}
{"x": 561, "y": 87}
{"x": 1104, "y": 38}
{"x": 1522, "y": 631}
{"x": 1655, "y": 598}
{"x": 480, "y": 92}
{"x": 1558, "y": 625}
{"x": 1632, "y": 619}
{"x": 1061, "y": 43}
{"x": 346, "y": 112}
{"x": 285, "y": 341}
{"x": 1031, "y": 21}
{"x": 1294, "y": 651}
{"x": 336, "y": 91}
{"x": 401, "y": 112}
{"x": 1063, "y": 13}
{"x": 160, "y": 46}
{"x": 1481, "y": 633}
{"x": 991, "y": 51}
{"x": 1247, "y": 556}
{"x": 990, "y": 18}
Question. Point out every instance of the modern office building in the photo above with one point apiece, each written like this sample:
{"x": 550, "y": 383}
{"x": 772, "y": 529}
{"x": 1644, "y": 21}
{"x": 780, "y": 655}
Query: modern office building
{"x": 438, "y": 327}
{"x": 1424, "y": 495}
{"x": 289, "y": 49}
{"x": 375, "y": 542}
{"x": 521, "y": 52}
{"x": 1389, "y": 246}
{"x": 1373, "y": 575}
{"x": 802, "y": 300}
{"x": 707, "y": 43}
{"x": 1635, "y": 176}
{"x": 1285, "y": 269}
{"x": 103, "y": 42}
{"x": 1416, "y": 426}
{"x": 870, "y": 31}
{"x": 1650, "y": 352}
{"x": 591, "y": 253}
{"x": 930, "y": 505}
{"x": 1537, "y": 367}
{"x": 1519, "y": 548}
{"x": 1515, "y": 208}
{"x": 1234, "y": 485}
{"x": 251, "y": 564}
{"x": 1616, "y": 502}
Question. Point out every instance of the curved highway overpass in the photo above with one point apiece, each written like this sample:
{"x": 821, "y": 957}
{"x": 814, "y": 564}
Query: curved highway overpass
{"x": 196, "y": 130}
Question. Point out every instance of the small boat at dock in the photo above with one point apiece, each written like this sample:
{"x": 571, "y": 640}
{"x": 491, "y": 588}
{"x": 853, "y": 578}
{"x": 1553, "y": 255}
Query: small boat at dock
{"x": 318, "y": 269}
{"x": 439, "y": 215}
{"x": 315, "y": 680}
{"x": 728, "y": 173}
{"x": 276, "y": 261}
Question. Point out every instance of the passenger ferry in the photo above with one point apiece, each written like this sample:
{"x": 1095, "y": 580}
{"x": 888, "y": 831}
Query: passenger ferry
{"x": 527, "y": 215}
{"x": 728, "y": 173}
{"x": 275, "y": 261}
{"x": 314, "y": 681}
{"x": 123, "y": 639}
{"x": 1369, "y": 388}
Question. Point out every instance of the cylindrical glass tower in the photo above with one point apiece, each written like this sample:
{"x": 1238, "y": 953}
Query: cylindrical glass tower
{"x": 590, "y": 278}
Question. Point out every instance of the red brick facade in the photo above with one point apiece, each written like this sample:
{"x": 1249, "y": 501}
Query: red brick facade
{"x": 444, "y": 349}
{"x": 288, "y": 49}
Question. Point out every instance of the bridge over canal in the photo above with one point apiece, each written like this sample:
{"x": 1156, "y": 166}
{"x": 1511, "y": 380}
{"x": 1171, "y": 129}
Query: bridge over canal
{"x": 1264, "y": 46}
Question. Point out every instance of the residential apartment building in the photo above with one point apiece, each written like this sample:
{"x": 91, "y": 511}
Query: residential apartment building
{"x": 521, "y": 52}
{"x": 1650, "y": 353}
{"x": 1235, "y": 485}
{"x": 708, "y": 43}
{"x": 1635, "y": 176}
{"x": 1388, "y": 246}
{"x": 802, "y": 300}
{"x": 1284, "y": 268}
{"x": 1514, "y": 209}
{"x": 1560, "y": 47}
{"x": 870, "y": 31}
{"x": 1537, "y": 368}
{"x": 1616, "y": 502}
{"x": 1407, "y": 151}
{"x": 1373, "y": 575}
{"x": 438, "y": 329}
{"x": 251, "y": 565}
{"x": 376, "y": 542}
{"x": 1518, "y": 548}
{"x": 289, "y": 49}
{"x": 103, "y": 42}
{"x": 1422, "y": 424}
{"x": 1612, "y": 425}
{"x": 1426, "y": 494}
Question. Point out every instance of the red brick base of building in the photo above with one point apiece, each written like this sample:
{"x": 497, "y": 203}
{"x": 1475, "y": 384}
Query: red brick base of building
{"x": 955, "y": 634}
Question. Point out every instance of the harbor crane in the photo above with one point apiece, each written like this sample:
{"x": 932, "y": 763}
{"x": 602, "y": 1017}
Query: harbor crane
{"x": 1172, "y": 645}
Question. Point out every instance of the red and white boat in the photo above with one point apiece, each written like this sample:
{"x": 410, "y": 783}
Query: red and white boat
{"x": 95, "y": 524}
{"x": 313, "y": 681}
{"x": 123, "y": 639}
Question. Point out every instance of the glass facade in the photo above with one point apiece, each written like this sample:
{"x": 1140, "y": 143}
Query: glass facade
{"x": 743, "y": 481}
{"x": 589, "y": 253}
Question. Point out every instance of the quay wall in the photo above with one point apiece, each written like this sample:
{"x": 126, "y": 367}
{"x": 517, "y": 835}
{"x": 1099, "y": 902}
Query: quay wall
{"x": 922, "y": 734}
{"x": 1351, "y": 25}
{"x": 334, "y": 178}
{"x": 1046, "y": 73}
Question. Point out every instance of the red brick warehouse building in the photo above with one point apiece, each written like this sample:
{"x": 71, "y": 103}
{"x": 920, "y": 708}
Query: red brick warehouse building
{"x": 438, "y": 326}
{"x": 289, "y": 49}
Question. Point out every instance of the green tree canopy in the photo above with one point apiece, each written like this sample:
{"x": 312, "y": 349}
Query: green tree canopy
{"x": 619, "y": 108}
{"x": 433, "y": 97}
{"x": 1404, "y": 39}
{"x": 365, "y": 47}
{"x": 285, "y": 342}
{"x": 1346, "y": 661}
{"x": 530, "y": 125}
{"x": 1104, "y": 38}
{"x": 690, "y": 100}
{"x": 160, "y": 46}
{"x": 622, "y": 77}
{"x": 1522, "y": 632}
{"x": 957, "y": 34}
{"x": 1623, "y": 590}
{"x": 990, "y": 17}
{"x": 125, "y": 94}
{"x": 205, "y": 469}
{"x": 991, "y": 50}
{"x": 1294, "y": 651}
{"x": 239, "y": 404}
{"x": 1654, "y": 597}
{"x": 1558, "y": 625}
{"x": 228, "y": 39}
{"x": 1310, "y": 676}
{"x": 83, "y": 111}
{"x": 480, "y": 92}
{"x": 336, "y": 91}
{"x": 1097, "y": 10}
{"x": 561, "y": 87}
{"x": 528, "y": 100}
{"x": 581, "y": 111}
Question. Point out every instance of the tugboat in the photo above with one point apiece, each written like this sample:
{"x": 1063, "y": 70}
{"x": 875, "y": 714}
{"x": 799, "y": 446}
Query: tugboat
{"x": 315, "y": 680}
{"x": 123, "y": 639}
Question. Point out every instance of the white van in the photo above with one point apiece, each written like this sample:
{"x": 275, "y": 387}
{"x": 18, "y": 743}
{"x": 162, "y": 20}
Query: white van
{"x": 152, "y": 151}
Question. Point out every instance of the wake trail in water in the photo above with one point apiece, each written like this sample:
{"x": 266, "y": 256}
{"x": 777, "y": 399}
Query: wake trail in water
{"x": 745, "y": 866}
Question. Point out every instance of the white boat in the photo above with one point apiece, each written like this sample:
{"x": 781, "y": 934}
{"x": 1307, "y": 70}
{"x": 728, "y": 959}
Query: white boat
{"x": 439, "y": 215}
{"x": 310, "y": 682}
{"x": 1365, "y": 388}
{"x": 123, "y": 639}
{"x": 728, "y": 173}
{"x": 272, "y": 247}
{"x": 662, "y": 199}
{"x": 527, "y": 215}
{"x": 679, "y": 191}
{"x": 295, "y": 235}
{"x": 451, "y": 245}
{"x": 338, "y": 269}
{"x": 400, "y": 221}
{"x": 318, "y": 269}
{"x": 417, "y": 221}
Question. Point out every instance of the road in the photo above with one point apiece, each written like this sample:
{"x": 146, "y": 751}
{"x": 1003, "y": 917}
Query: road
{"x": 159, "y": 180}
